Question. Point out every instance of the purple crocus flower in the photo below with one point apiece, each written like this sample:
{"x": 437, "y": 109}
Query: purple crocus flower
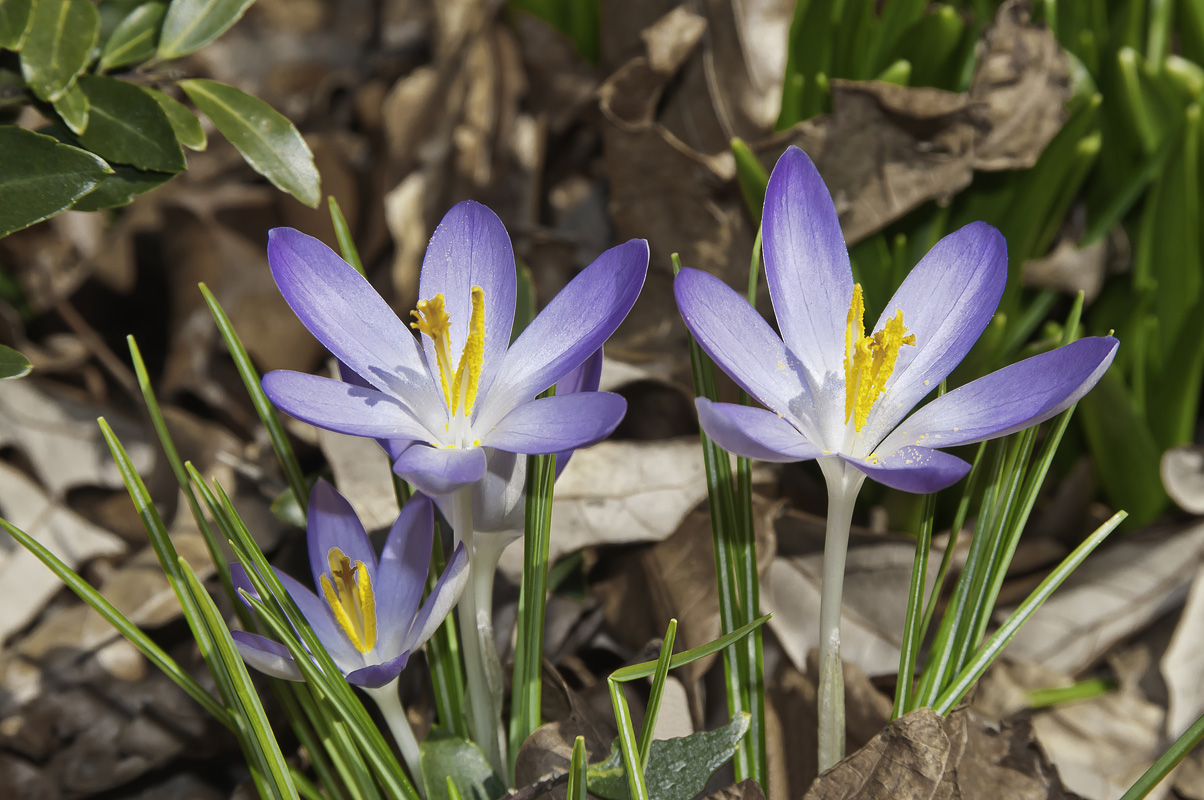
{"x": 368, "y": 616}
{"x": 464, "y": 388}
{"x": 831, "y": 391}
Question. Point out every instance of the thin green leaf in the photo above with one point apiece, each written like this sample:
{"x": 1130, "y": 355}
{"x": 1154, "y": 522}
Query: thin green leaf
{"x": 991, "y": 648}
{"x": 127, "y": 126}
{"x": 637, "y": 789}
{"x": 133, "y": 40}
{"x": 1166, "y": 762}
{"x": 186, "y": 125}
{"x": 1083, "y": 690}
{"x": 343, "y": 233}
{"x": 578, "y": 767}
{"x": 910, "y": 647}
{"x": 266, "y": 139}
{"x": 192, "y": 24}
{"x": 443, "y": 653}
{"x": 14, "y": 23}
{"x": 648, "y": 668}
{"x": 13, "y": 364}
{"x": 658, "y": 692}
{"x": 72, "y": 107}
{"x": 58, "y": 45}
{"x": 42, "y": 177}
{"x": 752, "y": 177}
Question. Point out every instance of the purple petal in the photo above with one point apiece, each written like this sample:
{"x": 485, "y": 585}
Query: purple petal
{"x": 392, "y": 447}
{"x": 404, "y": 563}
{"x": 471, "y": 248}
{"x": 270, "y": 658}
{"x": 440, "y": 470}
{"x": 946, "y": 301}
{"x": 377, "y": 675}
{"x": 441, "y": 600}
{"x": 346, "y": 314}
{"x": 1009, "y": 400}
{"x": 332, "y": 523}
{"x": 807, "y": 265}
{"x": 919, "y": 470}
{"x": 754, "y": 432}
{"x": 242, "y": 582}
{"x": 576, "y": 323}
{"x": 560, "y": 422}
{"x": 734, "y": 335}
{"x": 318, "y": 615}
{"x": 585, "y": 378}
{"x": 341, "y": 407}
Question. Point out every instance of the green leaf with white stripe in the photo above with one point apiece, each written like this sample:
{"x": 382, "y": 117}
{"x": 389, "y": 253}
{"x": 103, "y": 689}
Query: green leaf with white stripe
{"x": 133, "y": 41}
{"x": 192, "y": 24}
{"x": 42, "y": 177}
{"x": 58, "y": 45}
{"x": 186, "y": 125}
{"x": 127, "y": 126}
{"x": 266, "y": 139}
{"x": 14, "y": 20}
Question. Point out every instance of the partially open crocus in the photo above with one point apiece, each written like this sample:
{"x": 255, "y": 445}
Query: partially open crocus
{"x": 464, "y": 387}
{"x": 367, "y": 613}
{"x": 833, "y": 392}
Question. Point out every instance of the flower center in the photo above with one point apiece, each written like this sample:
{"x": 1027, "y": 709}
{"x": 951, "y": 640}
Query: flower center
{"x": 459, "y": 386}
{"x": 351, "y": 599}
{"x": 869, "y": 360}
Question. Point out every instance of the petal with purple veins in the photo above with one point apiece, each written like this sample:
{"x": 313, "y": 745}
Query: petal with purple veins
{"x": 375, "y": 676}
{"x": 332, "y": 523}
{"x": 754, "y": 433}
{"x": 404, "y": 563}
{"x": 919, "y": 470}
{"x": 438, "y": 471}
{"x": 560, "y": 422}
{"x": 441, "y": 600}
{"x": 342, "y": 407}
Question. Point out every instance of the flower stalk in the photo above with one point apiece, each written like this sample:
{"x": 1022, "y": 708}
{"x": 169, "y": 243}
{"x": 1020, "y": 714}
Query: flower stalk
{"x": 389, "y": 703}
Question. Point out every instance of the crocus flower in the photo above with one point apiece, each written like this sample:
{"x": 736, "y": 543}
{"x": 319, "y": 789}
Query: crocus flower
{"x": 368, "y": 614}
{"x": 464, "y": 388}
{"x": 831, "y": 391}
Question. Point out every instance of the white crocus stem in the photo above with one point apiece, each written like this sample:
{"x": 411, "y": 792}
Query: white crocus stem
{"x": 474, "y": 611}
{"x": 395, "y": 717}
{"x": 844, "y": 482}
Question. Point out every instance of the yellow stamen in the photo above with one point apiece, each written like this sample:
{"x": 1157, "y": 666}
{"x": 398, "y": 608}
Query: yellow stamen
{"x": 459, "y": 387}
{"x": 869, "y": 360}
{"x": 351, "y": 599}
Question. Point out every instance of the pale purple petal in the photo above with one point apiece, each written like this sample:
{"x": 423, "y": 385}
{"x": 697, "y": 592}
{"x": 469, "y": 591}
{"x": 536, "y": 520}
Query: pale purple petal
{"x": 807, "y": 265}
{"x": 585, "y": 378}
{"x": 560, "y": 422}
{"x": 437, "y": 471}
{"x": 1008, "y": 400}
{"x": 404, "y": 563}
{"x": 346, "y": 314}
{"x": 919, "y": 470}
{"x": 270, "y": 658}
{"x": 331, "y": 522}
{"x": 318, "y": 615}
{"x": 574, "y": 324}
{"x": 754, "y": 432}
{"x": 377, "y": 675}
{"x": 470, "y": 247}
{"x": 242, "y": 582}
{"x": 441, "y": 600}
{"x": 342, "y": 407}
{"x": 734, "y": 335}
{"x": 392, "y": 447}
{"x": 946, "y": 301}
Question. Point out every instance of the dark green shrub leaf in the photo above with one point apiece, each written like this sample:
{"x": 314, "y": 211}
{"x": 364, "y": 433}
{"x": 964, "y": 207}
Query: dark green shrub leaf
{"x": 41, "y": 177}
{"x": 58, "y": 45}
{"x": 187, "y": 127}
{"x": 678, "y": 769}
{"x": 12, "y": 363}
{"x": 445, "y": 756}
{"x": 73, "y": 108}
{"x": 14, "y": 19}
{"x": 133, "y": 41}
{"x": 266, "y": 139}
{"x": 121, "y": 187}
{"x": 192, "y": 24}
{"x": 127, "y": 126}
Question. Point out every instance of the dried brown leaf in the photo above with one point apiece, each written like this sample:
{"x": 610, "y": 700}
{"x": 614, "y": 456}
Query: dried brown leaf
{"x": 1182, "y": 471}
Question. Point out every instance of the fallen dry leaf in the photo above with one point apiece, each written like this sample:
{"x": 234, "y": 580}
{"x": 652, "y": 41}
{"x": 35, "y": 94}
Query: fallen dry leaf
{"x": 1182, "y": 471}
{"x": 1182, "y": 664}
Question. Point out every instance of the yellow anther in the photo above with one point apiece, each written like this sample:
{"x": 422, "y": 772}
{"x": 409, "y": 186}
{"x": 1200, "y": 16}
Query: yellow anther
{"x": 351, "y": 599}
{"x": 869, "y": 360}
{"x": 460, "y": 386}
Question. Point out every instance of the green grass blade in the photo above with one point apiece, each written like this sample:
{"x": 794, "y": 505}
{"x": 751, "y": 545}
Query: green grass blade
{"x": 343, "y": 233}
{"x": 637, "y": 789}
{"x": 648, "y": 668}
{"x": 910, "y": 647}
{"x": 577, "y": 771}
{"x": 655, "y": 696}
{"x": 443, "y": 657}
{"x": 991, "y": 648}
{"x": 1166, "y": 762}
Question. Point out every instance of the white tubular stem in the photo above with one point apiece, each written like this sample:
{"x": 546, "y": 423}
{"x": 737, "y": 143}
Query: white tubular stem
{"x": 844, "y": 482}
{"x": 395, "y": 716}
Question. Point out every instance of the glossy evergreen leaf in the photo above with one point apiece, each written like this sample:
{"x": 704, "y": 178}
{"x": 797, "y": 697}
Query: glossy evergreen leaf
{"x": 42, "y": 177}
{"x": 186, "y": 125}
{"x": 133, "y": 40}
{"x": 14, "y": 20}
{"x": 121, "y": 187}
{"x": 192, "y": 24}
{"x": 127, "y": 126}
{"x": 13, "y": 364}
{"x": 265, "y": 137}
{"x": 447, "y": 757}
{"x": 58, "y": 45}
{"x": 72, "y": 107}
{"x": 678, "y": 768}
